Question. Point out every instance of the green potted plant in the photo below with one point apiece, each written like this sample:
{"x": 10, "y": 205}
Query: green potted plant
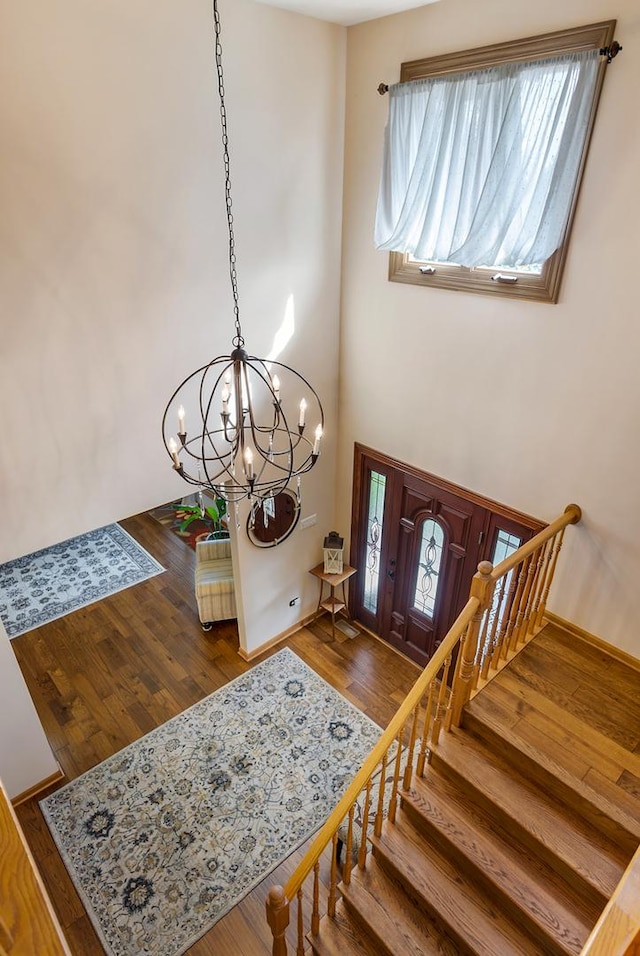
{"x": 213, "y": 514}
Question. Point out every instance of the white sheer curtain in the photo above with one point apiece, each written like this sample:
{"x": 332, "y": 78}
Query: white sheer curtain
{"x": 479, "y": 168}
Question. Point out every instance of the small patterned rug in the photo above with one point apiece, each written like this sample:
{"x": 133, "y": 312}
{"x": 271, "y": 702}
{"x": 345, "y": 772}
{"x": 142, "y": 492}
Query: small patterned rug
{"x": 165, "y": 837}
{"x": 43, "y": 586}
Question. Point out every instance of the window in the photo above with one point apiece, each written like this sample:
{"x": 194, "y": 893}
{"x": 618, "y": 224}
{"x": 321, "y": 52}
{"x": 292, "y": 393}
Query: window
{"x": 484, "y": 154}
{"x": 374, "y": 532}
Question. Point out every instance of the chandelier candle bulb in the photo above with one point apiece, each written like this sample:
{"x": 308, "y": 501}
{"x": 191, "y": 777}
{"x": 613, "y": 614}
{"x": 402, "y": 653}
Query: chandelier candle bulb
{"x": 276, "y": 387}
{"x": 316, "y": 444}
{"x": 248, "y": 460}
{"x": 303, "y": 406}
{"x": 225, "y": 399}
{"x": 181, "y": 417}
{"x": 173, "y": 448}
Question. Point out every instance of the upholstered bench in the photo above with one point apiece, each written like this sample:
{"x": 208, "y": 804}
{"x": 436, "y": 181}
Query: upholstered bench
{"x": 215, "y": 591}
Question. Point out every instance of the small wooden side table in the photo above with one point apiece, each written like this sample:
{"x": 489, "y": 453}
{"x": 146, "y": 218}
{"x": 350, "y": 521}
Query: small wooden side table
{"x": 332, "y": 604}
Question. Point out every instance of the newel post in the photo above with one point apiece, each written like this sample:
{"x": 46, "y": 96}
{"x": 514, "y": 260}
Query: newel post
{"x": 278, "y": 919}
{"x": 481, "y": 588}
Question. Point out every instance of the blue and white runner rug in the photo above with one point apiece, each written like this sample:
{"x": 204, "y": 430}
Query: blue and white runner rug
{"x": 45, "y": 585}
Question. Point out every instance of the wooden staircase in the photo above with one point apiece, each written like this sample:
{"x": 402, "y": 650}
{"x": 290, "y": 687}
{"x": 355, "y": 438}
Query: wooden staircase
{"x": 500, "y": 849}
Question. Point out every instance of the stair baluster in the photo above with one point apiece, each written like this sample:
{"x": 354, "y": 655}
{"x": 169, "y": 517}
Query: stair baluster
{"x": 523, "y": 610}
{"x": 426, "y": 728}
{"x": 515, "y": 613}
{"x": 377, "y": 829}
{"x": 552, "y": 570}
{"x": 315, "y": 912}
{"x": 483, "y": 643}
{"x": 442, "y": 705}
{"x": 333, "y": 879}
{"x": 346, "y": 869}
{"x": 534, "y": 599}
{"x": 494, "y": 615}
{"x": 362, "y": 853}
{"x": 300, "y": 947}
{"x": 502, "y": 643}
{"x": 408, "y": 770}
{"x": 393, "y": 802}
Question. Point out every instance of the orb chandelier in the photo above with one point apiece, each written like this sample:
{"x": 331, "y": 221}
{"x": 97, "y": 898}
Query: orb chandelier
{"x": 236, "y": 432}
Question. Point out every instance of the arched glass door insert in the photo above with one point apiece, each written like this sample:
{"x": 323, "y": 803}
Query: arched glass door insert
{"x": 429, "y": 567}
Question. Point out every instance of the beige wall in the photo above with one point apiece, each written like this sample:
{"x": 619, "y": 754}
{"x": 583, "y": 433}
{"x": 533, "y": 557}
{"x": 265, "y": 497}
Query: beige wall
{"x": 534, "y": 405}
{"x": 113, "y": 282}
{"x": 113, "y": 249}
{"x": 26, "y": 759}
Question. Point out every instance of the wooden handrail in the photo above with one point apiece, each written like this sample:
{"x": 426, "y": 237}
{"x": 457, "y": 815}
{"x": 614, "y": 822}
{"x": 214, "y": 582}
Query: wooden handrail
{"x": 385, "y": 742}
{"x": 571, "y": 515}
{"x": 617, "y": 931}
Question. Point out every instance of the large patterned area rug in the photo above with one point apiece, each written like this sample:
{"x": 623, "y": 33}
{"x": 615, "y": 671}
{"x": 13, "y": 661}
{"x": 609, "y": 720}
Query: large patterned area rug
{"x": 163, "y": 838}
{"x": 48, "y": 584}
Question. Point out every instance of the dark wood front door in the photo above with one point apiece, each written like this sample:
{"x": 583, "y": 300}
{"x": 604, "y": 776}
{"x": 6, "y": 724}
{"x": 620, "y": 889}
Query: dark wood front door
{"x": 417, "y": 541}
{"x": 432, "y": 558}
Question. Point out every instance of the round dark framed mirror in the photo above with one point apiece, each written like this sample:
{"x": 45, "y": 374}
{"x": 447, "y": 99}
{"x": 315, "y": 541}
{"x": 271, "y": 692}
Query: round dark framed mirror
{"x": 273, "y": 520}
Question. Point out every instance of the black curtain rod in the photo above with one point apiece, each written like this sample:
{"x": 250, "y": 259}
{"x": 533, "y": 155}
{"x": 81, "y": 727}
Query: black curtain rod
{"x": 609, "y": 51}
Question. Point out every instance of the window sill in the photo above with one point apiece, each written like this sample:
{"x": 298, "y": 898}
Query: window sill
{"x": 540, "y": 288}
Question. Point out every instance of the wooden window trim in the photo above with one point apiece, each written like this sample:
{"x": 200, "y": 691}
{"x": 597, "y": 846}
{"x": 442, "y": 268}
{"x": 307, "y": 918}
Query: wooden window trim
{"x": 544, "y": 287}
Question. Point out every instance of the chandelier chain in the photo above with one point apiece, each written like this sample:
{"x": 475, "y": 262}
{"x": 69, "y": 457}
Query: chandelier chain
{"x": 238, "y": 340}
{"x": 234, "y": 424}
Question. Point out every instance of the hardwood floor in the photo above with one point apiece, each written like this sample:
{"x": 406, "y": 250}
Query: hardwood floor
{"x": 109, "y": 673}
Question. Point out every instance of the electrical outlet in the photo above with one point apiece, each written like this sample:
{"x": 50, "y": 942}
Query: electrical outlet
{"x": 294, "y": 601}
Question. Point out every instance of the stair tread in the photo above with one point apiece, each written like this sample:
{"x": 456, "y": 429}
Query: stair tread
{"x": 447, "y": 893}
{"x": 553, "y": 729}
{"x": 533, "y": 812}
{"x": 341, "y": 936}
{"x": 480, "y": 711}
{"x": 573, "y": 731}
{"x": 393, "y": 918}
{"x": 617, "y": 719}
{"x": 523, "y": 882}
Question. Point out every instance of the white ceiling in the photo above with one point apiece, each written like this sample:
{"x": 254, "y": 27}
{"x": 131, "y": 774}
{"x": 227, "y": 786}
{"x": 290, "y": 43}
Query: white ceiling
{"x": 347, "y": 12}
